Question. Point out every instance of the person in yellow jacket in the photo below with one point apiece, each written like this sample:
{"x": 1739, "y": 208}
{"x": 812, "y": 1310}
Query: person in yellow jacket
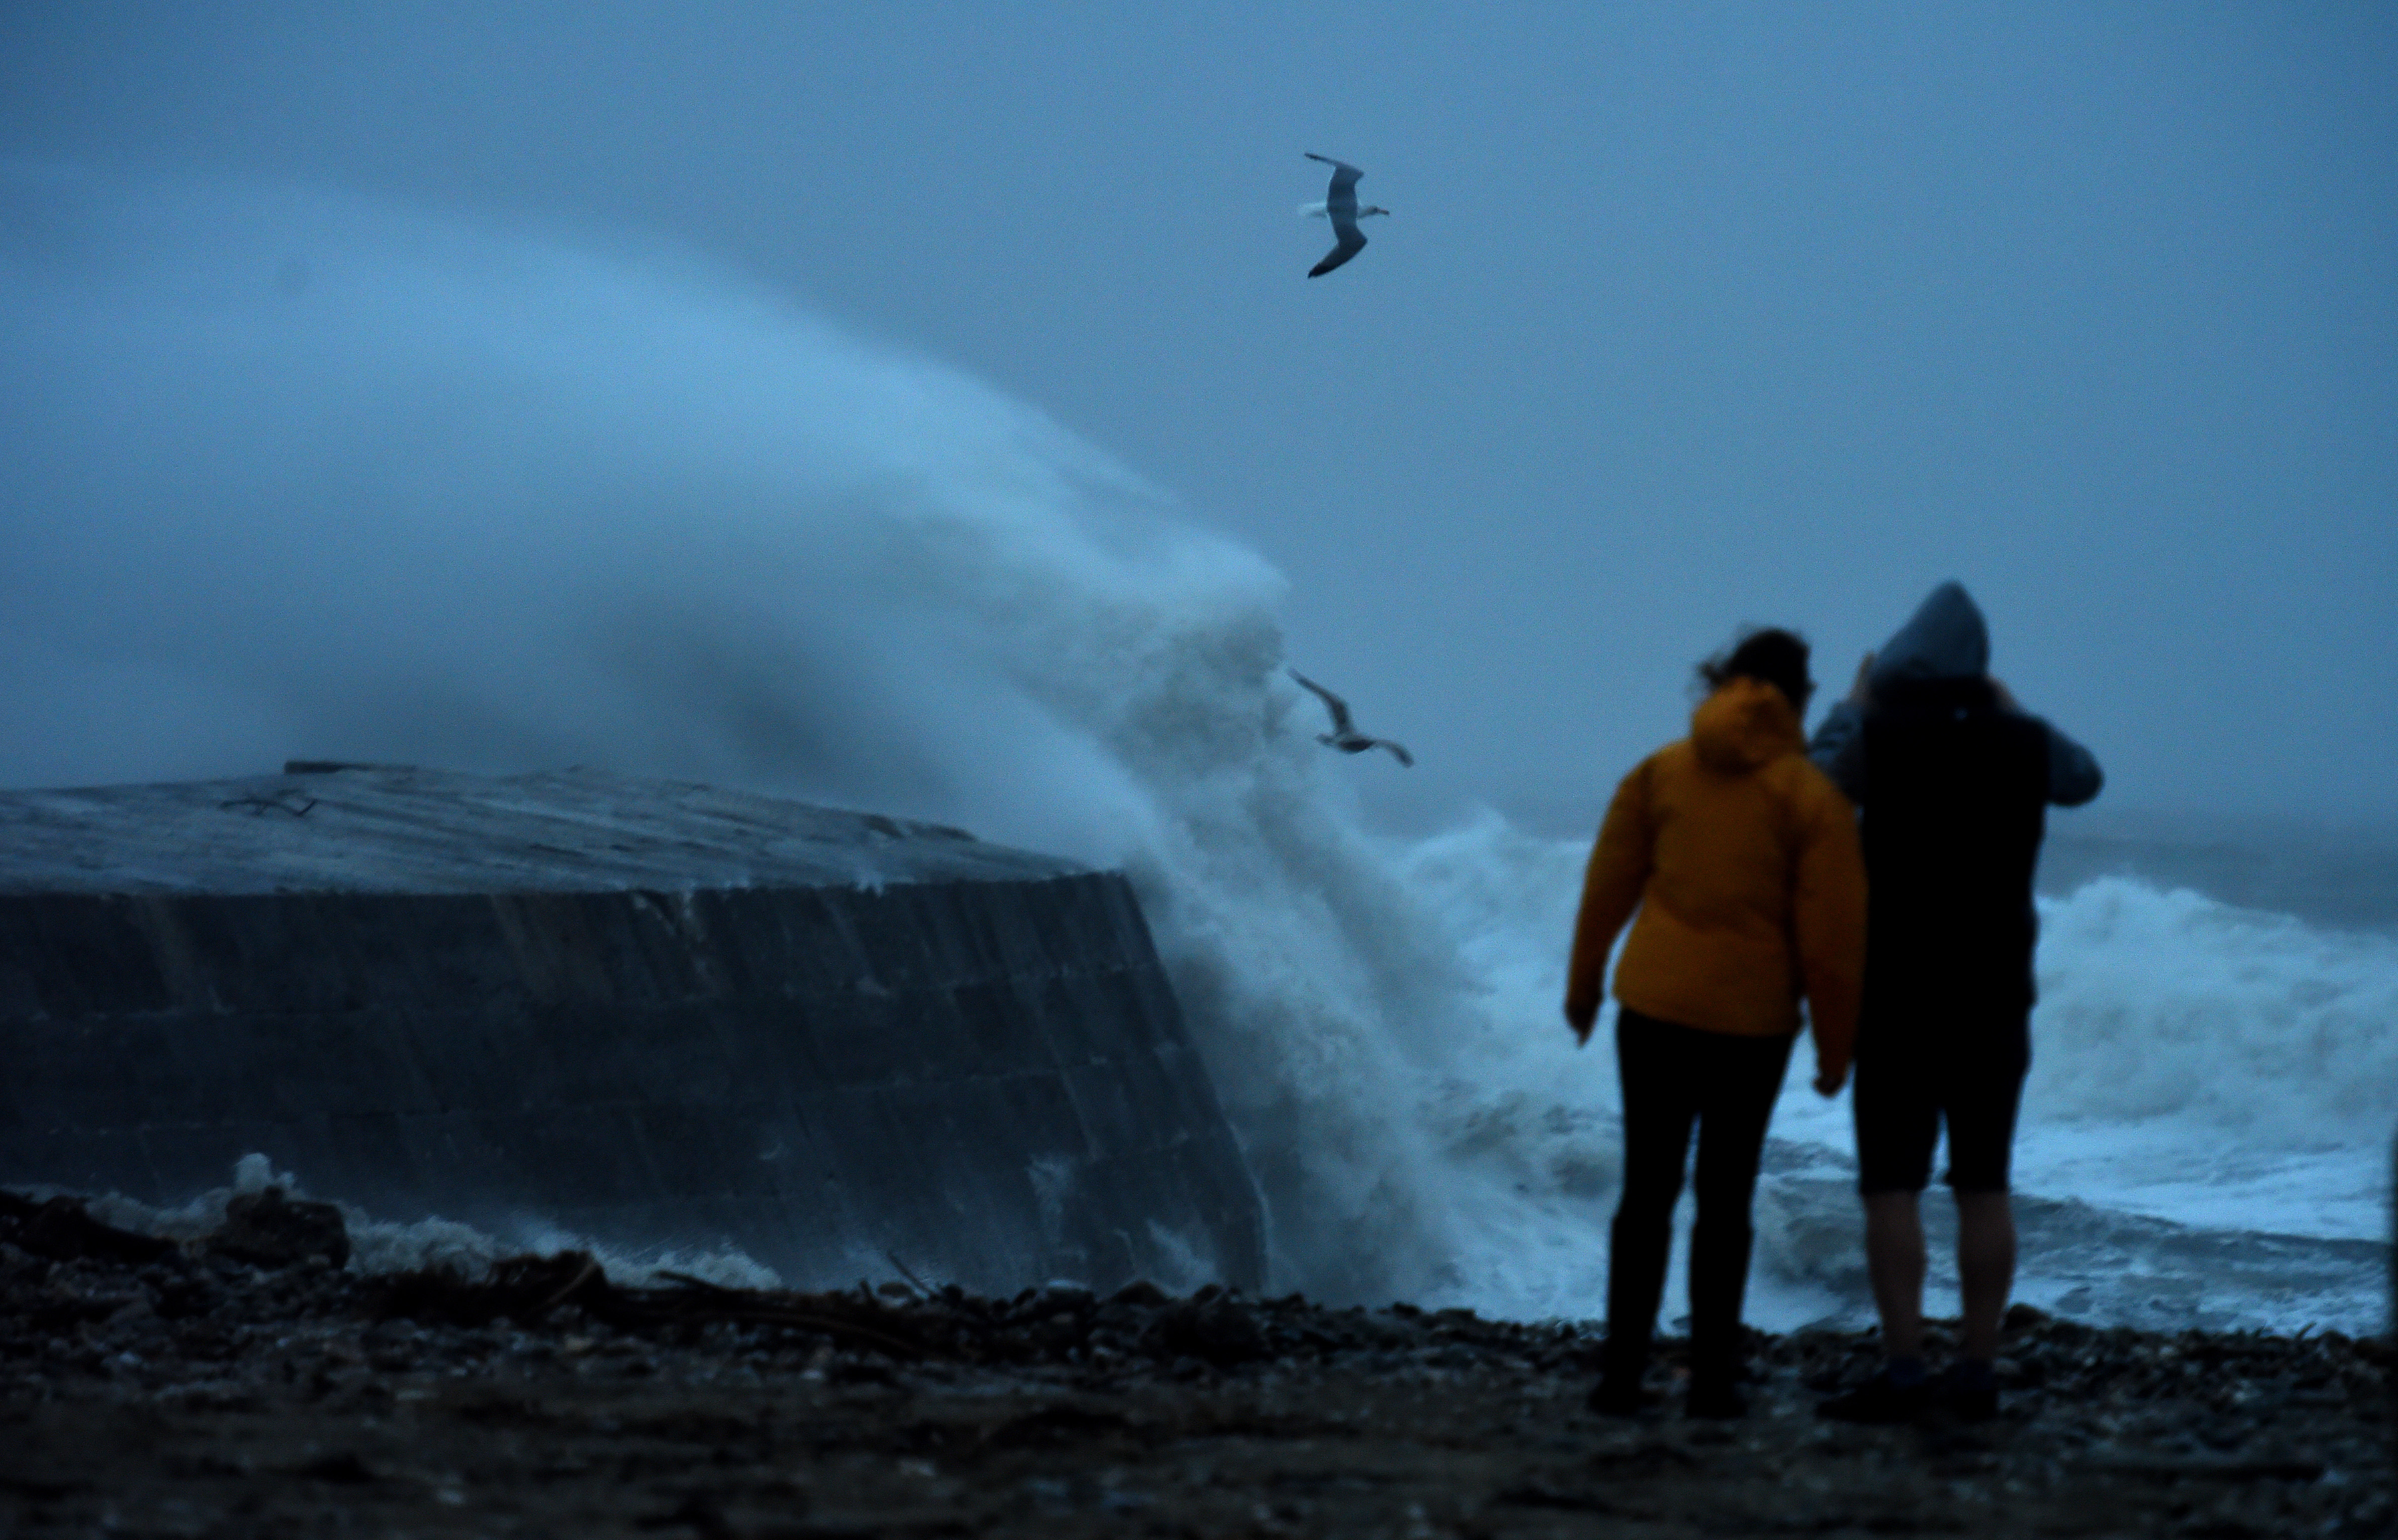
{"x": 1741, "y": 860}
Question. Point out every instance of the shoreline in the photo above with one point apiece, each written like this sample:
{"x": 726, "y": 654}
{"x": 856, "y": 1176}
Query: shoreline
{"x": 245, "y": 1384}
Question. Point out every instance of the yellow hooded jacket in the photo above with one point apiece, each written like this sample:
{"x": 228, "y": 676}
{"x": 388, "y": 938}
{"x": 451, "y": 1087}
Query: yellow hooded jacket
{"x": 1743, "y": 861}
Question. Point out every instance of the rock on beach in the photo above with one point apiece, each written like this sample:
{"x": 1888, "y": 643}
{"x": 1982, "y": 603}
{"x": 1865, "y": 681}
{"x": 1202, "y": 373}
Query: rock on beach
{"x": 248, "y": 1383}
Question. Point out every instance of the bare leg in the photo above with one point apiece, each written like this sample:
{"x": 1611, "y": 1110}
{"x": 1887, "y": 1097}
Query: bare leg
{"x": 1986, "y": 1267}
{"x": 1894, "y": 1258}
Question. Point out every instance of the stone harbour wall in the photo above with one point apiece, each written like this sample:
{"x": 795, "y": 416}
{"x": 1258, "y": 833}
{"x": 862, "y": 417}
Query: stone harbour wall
{"x": 983, "y": 1075}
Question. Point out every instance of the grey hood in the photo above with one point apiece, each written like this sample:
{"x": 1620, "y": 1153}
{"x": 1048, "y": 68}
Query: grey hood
{"x": 1945, "y": 638}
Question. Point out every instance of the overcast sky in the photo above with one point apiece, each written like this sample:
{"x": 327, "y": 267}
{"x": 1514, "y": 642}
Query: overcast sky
{"x": 1686, "y": 315}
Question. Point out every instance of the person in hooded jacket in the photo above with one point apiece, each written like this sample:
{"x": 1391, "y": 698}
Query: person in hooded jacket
{"x": 1953, "y": 780}
{"x": 1741, "y": 859}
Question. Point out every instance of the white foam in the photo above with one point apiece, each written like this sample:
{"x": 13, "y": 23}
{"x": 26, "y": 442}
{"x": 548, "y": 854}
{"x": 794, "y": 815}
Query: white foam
{"x": 2171, "y": 1005}
{"x": 380, "y": 1245}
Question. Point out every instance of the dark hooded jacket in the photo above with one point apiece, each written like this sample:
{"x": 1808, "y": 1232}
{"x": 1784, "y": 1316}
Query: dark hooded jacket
{"x": 1954, "y": 786}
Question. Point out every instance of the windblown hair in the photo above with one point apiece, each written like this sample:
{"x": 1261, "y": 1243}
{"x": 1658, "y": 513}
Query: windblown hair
{"x": 1770, "y": 653}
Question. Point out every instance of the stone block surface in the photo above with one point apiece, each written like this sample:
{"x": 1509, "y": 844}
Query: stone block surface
{"x": 646, "y": 1014}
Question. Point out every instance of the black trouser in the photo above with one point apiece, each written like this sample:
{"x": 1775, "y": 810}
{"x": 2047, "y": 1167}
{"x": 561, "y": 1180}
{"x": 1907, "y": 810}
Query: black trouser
{"x": 1673, "y": 1076}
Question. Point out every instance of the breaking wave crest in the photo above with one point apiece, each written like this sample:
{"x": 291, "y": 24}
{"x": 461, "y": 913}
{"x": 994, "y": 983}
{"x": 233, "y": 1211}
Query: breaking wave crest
{"x": 2168, "y": 1004}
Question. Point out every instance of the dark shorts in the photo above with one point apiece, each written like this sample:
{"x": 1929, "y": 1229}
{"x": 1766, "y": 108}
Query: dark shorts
{"x": 1916, "y": 1072}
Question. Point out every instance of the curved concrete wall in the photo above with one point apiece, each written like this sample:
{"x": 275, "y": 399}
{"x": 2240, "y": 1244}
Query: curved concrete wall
{"x": 842, "y": 1036}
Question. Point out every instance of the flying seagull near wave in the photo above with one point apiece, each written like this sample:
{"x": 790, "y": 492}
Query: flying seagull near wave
{"x": 1344, "y": 735}
{"x": 1339, "y": 206}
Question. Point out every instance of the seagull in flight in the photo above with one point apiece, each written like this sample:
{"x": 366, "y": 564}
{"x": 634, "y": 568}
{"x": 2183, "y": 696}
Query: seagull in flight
{"x": 1339, "y": 206}
{"x": 1344, "y": 735}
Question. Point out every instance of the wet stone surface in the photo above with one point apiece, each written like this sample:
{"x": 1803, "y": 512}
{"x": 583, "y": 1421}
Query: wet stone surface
{"x": 163, "y": 1389}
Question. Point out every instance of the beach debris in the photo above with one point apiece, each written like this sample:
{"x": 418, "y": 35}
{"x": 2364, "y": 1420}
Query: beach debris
{"x": 272, "y": 1230}
{"x": 59, "y": 1230}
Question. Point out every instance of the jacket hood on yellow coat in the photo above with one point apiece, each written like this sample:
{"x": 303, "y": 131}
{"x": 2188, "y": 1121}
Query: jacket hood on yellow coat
{"x": 1742, "y": 861}
{"x": 1743, "y": 725}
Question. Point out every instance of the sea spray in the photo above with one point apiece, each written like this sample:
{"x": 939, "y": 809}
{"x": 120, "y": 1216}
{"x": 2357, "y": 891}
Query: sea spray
{"x": 468, "y": 497}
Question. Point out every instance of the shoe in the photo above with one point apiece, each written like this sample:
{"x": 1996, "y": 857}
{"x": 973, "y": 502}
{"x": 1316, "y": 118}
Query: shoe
{"x": 1880, "y": 1399}
{"x": 1715, "y": 1398}
{"x": 1969, "y": 1391}
{"x": 1618, "y": 1395}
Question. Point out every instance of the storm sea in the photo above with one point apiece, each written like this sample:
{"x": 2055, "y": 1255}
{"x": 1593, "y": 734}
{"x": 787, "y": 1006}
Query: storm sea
{"x": 409, "y": 487}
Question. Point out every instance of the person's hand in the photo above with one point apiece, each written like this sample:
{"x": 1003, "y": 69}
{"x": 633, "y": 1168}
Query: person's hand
{"x": 1861, "y": 690}
{"x": 1828, "y": 1084}
{"x": 2006, "y": 697}
{"x": 1582, "y": 1015}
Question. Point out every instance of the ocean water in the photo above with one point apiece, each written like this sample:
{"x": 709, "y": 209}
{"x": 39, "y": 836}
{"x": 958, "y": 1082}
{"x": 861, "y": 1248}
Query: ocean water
{"x": 2207, "y": 1129}
{"x": 324, "y": 478}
